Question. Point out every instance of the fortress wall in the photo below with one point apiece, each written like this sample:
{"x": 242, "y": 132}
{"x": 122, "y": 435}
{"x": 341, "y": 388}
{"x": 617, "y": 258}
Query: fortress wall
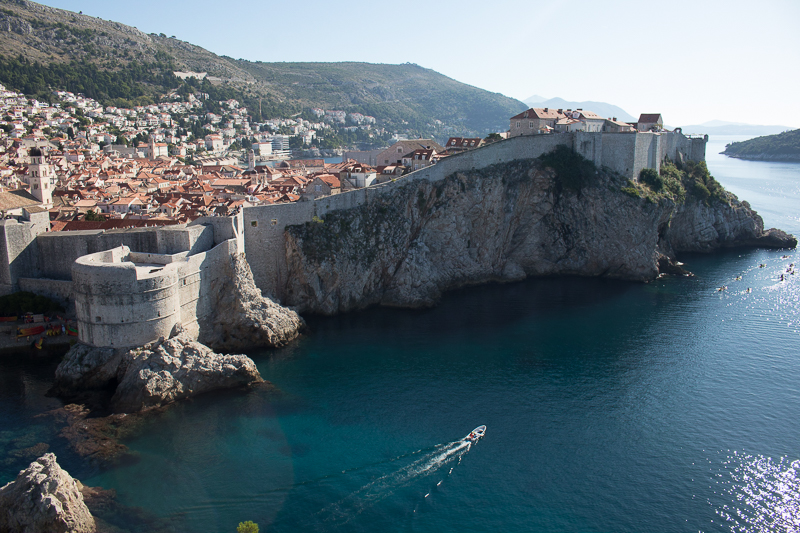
{"x": 645, "y": 153}
{"x": 58, "y": 250}
{"x": 264, "y": 241}
{"x": 225, "y": 228}
{"x": 54, "y": 289}
{"x": 125, "y": 298}
{"x": 17, "y": 253}
{"x": 590, "y": 146}
{"x": 522, "y": 147}
{"x": 618, "y": 152}
{"x": 698, "y": 149}
{"x": 120, "y": 304}
{"x": 175, "y": 239}
{"x": 197, "y": 276}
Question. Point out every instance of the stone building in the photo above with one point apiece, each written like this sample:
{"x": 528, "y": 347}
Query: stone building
{"x": 535, "y": 121}
{"x": 40, "y": 178}
{"x": 650, "y": 122}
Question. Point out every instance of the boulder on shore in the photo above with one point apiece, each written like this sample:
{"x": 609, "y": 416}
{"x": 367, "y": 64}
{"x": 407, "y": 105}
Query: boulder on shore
{"x": 44, "y": 498}
{"x": 153, "y": 375}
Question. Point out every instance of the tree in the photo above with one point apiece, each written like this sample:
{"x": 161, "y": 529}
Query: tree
{"x": 91, "y": 216}
{"x": 493, "y": 137}
{"x": 247, "y": 527}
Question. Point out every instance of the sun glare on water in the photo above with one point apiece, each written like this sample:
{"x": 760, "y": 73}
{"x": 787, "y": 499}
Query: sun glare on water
{"x": 762, "y": 495}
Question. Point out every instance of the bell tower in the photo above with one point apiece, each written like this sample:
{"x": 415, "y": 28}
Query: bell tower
{"x": 39, "y": 175}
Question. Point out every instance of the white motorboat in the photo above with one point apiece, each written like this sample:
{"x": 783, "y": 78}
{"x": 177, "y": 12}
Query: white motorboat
{"x": 476, "y": 434}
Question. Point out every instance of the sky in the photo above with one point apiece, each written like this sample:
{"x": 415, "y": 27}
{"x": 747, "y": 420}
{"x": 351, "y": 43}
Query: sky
{"x": 692, "y": 61}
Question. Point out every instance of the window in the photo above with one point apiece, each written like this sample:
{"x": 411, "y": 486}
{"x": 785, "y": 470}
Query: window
{"x": 254, "y": 223}
{"x": 530, "y": 125}
{"x": 518, "y": 123}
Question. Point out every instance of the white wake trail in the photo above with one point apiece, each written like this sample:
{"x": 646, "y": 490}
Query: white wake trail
{"x": 383, "y": 487}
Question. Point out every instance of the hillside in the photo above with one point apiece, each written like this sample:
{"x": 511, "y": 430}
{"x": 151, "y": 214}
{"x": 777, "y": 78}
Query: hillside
{"x": 44, "y": 48}
{"x": 781, "y": 147}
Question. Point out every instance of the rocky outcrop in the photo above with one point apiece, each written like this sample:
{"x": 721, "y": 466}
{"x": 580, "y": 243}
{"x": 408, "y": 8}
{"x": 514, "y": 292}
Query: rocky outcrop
{"x": 505, "y": 222}
{"x": 242, "y": 317}
{"x": 175, "y": 369}
{"x": 44, "y": 498}
{"x": 154, "y": 375}
{"x": 698, "y": 227}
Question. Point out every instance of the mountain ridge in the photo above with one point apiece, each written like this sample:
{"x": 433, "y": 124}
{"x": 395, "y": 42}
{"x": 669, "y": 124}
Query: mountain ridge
{"x": 405, "y": 97}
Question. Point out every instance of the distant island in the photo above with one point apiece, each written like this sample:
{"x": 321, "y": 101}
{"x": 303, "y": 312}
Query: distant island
{"x": 781, "y": 147}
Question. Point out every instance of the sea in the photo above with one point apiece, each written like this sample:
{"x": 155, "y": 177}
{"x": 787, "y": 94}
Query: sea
{"x": 669, "y": 406}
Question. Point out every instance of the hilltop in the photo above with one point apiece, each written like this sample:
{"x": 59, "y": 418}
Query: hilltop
{"x": 781, "y": 147}
{"x": 45, "y": 48}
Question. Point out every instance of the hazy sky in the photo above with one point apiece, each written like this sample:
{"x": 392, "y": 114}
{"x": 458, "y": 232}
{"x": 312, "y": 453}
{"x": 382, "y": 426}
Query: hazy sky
{"x": 692, "y": 61}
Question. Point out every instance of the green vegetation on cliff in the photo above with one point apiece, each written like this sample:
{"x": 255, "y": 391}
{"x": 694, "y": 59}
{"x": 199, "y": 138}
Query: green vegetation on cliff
{"x": 678, "y": 183}
{"x": 781, "y": 147}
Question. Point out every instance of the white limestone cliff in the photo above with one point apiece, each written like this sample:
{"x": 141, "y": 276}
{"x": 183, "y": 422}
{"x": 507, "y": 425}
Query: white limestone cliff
{"x": 242, "y": 317}
{"x": 503, "y": 222}
{"x": 44, "y": 498}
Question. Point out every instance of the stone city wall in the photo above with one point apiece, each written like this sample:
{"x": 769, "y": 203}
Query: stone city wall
{"x": 55, "y": 289}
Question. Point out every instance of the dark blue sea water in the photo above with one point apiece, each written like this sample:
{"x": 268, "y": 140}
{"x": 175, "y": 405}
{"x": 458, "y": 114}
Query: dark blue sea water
{"x": 610, "y": 406}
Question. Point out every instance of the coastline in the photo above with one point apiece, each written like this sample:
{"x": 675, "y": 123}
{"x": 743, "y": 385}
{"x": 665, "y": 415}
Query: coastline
{"x": 777, "y": 158}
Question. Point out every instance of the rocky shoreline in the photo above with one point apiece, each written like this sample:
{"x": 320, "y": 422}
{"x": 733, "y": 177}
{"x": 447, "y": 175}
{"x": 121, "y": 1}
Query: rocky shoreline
{"x": 153, "y": 375}
{"x": 504, "y": 223}
{"x": 779, "y": 158}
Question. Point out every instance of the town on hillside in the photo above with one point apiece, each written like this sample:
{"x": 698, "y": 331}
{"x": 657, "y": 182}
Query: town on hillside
{"x": 95, "y": 167}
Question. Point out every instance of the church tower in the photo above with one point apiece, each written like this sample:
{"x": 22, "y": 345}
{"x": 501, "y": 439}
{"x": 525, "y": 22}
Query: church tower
{"x": 251, "y": 160}
{"x": 39, "y": 175}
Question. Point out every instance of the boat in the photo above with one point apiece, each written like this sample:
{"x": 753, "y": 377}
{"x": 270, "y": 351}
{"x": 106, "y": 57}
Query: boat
{"x": 476, "y": 434}
{"x": 27, "y": 332}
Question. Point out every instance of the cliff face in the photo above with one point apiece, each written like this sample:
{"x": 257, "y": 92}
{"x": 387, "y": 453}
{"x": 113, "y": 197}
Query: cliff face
{"x": 242, "y": 317}
{"x": 697, "y": 227}
{"x": 44, "y": 498}
{"x": 504, "y": 222}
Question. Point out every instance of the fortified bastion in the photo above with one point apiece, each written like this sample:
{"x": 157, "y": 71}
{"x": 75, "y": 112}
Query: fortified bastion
{"x": 130, "y": 287}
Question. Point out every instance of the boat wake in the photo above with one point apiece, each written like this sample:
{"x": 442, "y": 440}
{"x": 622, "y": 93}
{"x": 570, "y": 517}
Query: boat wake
{"x": 429, "y": 463}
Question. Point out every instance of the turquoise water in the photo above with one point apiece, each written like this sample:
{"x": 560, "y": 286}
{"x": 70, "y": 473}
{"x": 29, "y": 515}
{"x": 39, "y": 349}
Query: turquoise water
{"x": 610, "y": 406}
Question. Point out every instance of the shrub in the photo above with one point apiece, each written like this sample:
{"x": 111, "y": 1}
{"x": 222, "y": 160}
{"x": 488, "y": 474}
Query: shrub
{"x": 23, "y": 302}
{"x": 651, "y": 178}
{"x": 573, "y": 171}
{"x": 247, "y": 527}
{"x": 631, "y": 191}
